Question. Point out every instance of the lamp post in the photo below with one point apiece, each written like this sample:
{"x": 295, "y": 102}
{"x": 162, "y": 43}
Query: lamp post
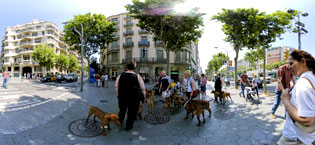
{"x": 82, "y": 45}
{"x": 227, "y": 65}
{"x": 300, "y": 25}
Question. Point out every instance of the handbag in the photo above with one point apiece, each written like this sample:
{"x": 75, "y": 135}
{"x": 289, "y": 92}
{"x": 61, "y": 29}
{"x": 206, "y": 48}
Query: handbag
{"x": 309, "y": 129}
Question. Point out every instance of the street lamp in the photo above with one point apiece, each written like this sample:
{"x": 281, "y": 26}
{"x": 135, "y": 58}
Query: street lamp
{"x": 300, "y": 25}
{"x": 81, "y": 35}
{"x": 227, "y": 66}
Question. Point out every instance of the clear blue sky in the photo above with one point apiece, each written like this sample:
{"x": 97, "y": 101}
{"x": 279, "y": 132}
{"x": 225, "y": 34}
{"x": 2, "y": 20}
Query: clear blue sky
{"x": 13, "y": 12}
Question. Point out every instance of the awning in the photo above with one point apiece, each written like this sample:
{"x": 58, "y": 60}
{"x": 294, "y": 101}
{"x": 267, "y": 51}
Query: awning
{"x": 193, "y": 60}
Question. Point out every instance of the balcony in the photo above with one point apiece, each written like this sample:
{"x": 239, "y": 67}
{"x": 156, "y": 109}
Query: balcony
{"x": 116, "y": 36}
{"x": 113, "y": 47}
{"x": 25, "y": 43}
{"x": 128, "y": 45}
{"x": 158, "y": 44}
{"x": 146, "y": 60}
{"x": 17, "y": 62}
{"x": 182, "y": 61}
{"x": 128, "y": 33}
{"x": 27, "y": 61}
{"x": 144, "y": 43}
{"x": 143, "y": 31}
{"x": 128, "y": 24}
{"x": 113, "y": 61}
{"x": 128, "y": 18}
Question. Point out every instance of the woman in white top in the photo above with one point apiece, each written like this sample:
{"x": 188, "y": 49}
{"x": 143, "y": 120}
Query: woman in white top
{"x": 300, "y": 102}
{"x": 254, "y": 85}
{"x": 189, "y": 84}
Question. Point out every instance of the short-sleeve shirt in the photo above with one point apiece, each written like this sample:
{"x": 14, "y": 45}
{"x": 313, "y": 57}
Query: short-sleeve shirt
{"x": 5, "y": 75}
{"x": 244, "y": 78}
{"x": 303, "y": 98}
{"x": 203, "y": 81}
{"x": 165, "y": 82}
{"x": 286, "y": 74}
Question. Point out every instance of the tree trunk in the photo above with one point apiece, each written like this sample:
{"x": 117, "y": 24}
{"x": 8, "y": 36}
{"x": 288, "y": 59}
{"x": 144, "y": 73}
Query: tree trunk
{"x": 168, "y": 70}
{"x": 235, "y": 68}
{"x": 264, "y": 71}
{"x": 88, "y": 68}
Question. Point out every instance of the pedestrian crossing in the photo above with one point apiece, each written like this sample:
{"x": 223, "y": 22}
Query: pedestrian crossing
{"x": 13, "y": 98}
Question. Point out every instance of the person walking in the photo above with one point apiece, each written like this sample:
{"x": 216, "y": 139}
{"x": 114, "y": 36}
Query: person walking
{"x": 5, "y": 76}
{"x": 255, "y": 86}
{"x": 299, "y": 103}
{"x": 243, "y": 80}
{"x": 97, "y": 80}
{"x": 130, "y": 91}
{"x": 189, "y": 85}
{"x": 29, "y": 77}
{"x": 218, "y": 85}
{"x": 203, "y": 86}
{"x": 106, "y": 80}
{"x": 285, "y": 76}
{"x": 103, "y": 80}
{"x": 164, "y": 86}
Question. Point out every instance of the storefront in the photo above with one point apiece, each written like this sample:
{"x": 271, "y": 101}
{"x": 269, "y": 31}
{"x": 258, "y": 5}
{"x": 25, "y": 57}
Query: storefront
{"x": 145, "y": 73}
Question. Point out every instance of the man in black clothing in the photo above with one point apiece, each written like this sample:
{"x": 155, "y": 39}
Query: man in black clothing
{"x": 130, "y": 91}
{"x": 218, "y": 85}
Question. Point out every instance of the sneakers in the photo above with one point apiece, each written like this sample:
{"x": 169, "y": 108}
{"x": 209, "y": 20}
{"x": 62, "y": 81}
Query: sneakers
{"x": 273, "y": 116}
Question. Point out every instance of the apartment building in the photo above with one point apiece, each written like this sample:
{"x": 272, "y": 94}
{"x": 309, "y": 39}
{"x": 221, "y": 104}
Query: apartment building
{"x": 132, "y": 42}
{"x": 276, "y": 54}
{"x": 19, "y": 41}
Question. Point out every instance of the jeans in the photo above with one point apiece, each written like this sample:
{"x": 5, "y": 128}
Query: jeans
{"x": 276, "y": 101}
{"x": 5, "y": 82}
{"x": 243, "y": 89}
{"x": 256, "y": 88}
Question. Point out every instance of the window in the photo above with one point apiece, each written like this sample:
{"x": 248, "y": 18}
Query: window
{"x": 37, "y": 69}
{"x": 6, "y": 32}
{"x": 18, "y": 31}
{"x": 128, "y": 40}
{"x": 16, "y": 43}
{"x": 114, "y": 57}
{"x": 114, "y": 44}
{"x": 13, "y": 37}
{"x": 19, "y": 37}
{"x": 9, "y": 68}
{"x": 38, "y": 40}
{"x": 6, "y": 44}
{"x": 43, "y": 32}
{"x": 26, "y": 57}
{"x": 34, "y": 34}
{"x": 129, "y": 23}
{"x": 160, "y": 54}
{"x": 129, "y": 30}
{"x": 185, "y": 55}
{"x": 178, "y": 56}
{"x": 108, "y": 58}
{"x": 6, "y": 59}
{"x": 16, "y": 68}
{"x": 50, "y": 32}
{"x": 144, "y": 53}
{"x": 38, "y": 27}
{"x": 114, "y": 20}
{"x": 128, "y": 55}
{"x": 6, "y": 51}
{"x": 6, "y": 38}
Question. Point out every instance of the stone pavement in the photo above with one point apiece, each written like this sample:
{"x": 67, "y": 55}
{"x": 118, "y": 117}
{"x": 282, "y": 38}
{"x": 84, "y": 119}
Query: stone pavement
{"x": 236, "y": 123}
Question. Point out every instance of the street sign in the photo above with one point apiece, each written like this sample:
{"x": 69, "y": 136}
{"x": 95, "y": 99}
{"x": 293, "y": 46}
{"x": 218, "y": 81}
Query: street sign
{"x": 300, "y": 23}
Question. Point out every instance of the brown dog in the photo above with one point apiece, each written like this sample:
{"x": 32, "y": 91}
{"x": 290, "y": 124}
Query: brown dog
{"x": 139, "y": 111}
{"x": 150, "y": 101}
{"x": 104, "y": 117}
{"x": 218, "y": 95}
{"x": 198, "y": 106}
{"x": 226, "y": 95}
{"x": 168, "y": 104}
{"x": 178, "y": 100}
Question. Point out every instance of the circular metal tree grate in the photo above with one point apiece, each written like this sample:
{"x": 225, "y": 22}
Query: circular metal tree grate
{"x": 157, "y": 118}
{"x": 79, "y": 128}
{"x": 223, "y": 115}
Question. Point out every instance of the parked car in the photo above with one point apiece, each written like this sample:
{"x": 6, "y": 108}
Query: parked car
{"x": 227, "y": 81}
{"x": 51, "y": 78}
{"x": 71, "y": 77}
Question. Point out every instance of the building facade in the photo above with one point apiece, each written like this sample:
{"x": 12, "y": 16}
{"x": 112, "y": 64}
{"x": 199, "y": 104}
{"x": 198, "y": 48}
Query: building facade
{"x": 137, "y": 44}
{"x": 19, "y": 41}
{"x": 276, "y": 54}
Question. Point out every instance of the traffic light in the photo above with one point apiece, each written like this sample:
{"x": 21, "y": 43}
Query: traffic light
{"x": 230, "y": 62}
{"x": 286, "y": 55}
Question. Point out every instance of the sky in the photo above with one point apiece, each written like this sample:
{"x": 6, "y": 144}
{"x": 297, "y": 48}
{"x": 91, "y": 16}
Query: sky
{"x": 14, "y": 12}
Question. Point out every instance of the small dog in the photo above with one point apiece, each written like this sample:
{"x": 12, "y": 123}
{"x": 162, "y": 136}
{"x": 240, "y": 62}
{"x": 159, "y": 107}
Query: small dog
{"x": 150, "y": 100}
{"x": 218, "y": 95}
{"x": 178, "y": 100}
{"x": 226, "y": 95}
{"x": 198, "y": 106}
{"x": 104, "y": 117}
{"x": 139, "y": 111}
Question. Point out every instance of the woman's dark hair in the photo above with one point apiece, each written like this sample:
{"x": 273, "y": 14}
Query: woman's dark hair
{"x": 131, "y": 65}
{"x": 202, "y": 75}
{"x": 298, "y": 55}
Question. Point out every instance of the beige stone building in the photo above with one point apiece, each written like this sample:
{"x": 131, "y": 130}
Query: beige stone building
{"x": 19, "y": 41}
{"x": 276, "y": 54}
{"x": 134, "y": 43}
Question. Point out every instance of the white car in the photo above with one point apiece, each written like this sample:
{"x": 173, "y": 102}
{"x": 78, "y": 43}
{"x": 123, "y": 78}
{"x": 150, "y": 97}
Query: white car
{"x": 71, "y": 77}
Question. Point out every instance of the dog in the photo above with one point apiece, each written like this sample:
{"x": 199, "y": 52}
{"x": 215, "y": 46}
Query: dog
{"x": 178, "y": 100}
{"x": 168, "y": 104}
{"x": 198, "y": 106}
{"x": 104, "y": 117}
{"x": 220, "y": 95}
{"x": 150, "y": 100}
{"x": 226, "y": 95}
{"x": 139, "y": 111}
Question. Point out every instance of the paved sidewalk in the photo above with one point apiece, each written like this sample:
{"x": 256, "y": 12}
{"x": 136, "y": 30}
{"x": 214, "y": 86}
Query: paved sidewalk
{"x": 236, "y": 123}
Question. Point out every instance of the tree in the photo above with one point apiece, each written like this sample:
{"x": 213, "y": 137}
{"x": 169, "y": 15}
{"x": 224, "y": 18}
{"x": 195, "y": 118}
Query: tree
{"x": 238, "y": 25}
{"x": 270, "y": 27}
{"x": 95, "y": 65}
{"x": 253, "y": 56}
{"x": 173, "y": 30}
{"x": 268, "y": 67}
{"x": 250, "y": 69}
{"x": 44, "y": 55}
{"x": 276, "y": 65}
{"x": 73, "y": 62}
{"x": 98, "y": 33}
{"x": 62, "y": 61}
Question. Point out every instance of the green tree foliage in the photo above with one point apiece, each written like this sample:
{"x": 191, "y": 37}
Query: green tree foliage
{"x": 253, "y": 56}
{"x": 98, "y": 33}
{"x": 268, "y": 67}
{"x": 62, "y": 61}
{"x": 167, "y": 26}
{"x": 44, "y": 55}
{"x": 276, "y": 65}
{"x": 250, "y": 69}
{"x": 216, "y": 63}
{"x": 73, "y": 62}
